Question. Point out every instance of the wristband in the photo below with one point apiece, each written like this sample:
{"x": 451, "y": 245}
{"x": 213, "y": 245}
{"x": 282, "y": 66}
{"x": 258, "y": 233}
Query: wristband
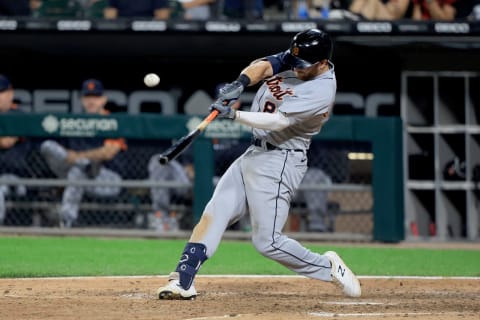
{"x": 244, "y": 80}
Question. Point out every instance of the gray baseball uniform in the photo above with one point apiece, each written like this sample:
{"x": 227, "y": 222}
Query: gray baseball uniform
{"x": 289, "y": 108}
{"x": 265, "y": 178}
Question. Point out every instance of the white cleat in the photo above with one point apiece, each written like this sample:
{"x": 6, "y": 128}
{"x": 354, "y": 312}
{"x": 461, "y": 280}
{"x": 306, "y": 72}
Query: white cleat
{"x": 174, "y": 291}
{"x": 343, "y": 276}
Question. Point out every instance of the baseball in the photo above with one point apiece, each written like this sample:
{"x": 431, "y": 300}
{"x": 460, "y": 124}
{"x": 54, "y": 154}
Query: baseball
{"x": 151, "y": 80}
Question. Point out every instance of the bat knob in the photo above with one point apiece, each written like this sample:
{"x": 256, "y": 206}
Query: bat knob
{"x": 163, "y": 159}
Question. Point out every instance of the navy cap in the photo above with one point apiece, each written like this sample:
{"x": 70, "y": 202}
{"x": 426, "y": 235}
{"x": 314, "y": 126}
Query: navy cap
{"x": 5, "y": 83}
{"x": 92, "y": 87}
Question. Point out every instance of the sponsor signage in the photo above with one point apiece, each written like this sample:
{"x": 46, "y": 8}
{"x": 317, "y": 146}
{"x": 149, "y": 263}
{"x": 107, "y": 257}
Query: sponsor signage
{"x": 79, "y": 127}
{"x": 217, "y": 26}
{"x": 74, "y": 25}
{"x": 374, "y": 27}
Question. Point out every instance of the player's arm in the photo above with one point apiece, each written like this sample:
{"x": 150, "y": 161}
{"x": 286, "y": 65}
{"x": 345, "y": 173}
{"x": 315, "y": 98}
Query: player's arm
{"x": 262, "y": 120}
{"x": 106, "y": 152}
{"x": 7, "y": 142}
{"x": 257, "y": 71}
{"x": 251, "y": 75}
{"x": 441, "y": 12}
{"x": 110, "y": 13}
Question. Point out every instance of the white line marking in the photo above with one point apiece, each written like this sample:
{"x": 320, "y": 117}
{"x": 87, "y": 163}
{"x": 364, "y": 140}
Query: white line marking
{"x": 212, "y": 318}
{"x": 353, "y": 303}
{"x": 255, "y": 276}
{"x": 377, "y": 314}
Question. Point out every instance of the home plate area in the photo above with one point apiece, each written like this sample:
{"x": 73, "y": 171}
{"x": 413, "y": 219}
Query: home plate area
{"x": 239, "y": 297}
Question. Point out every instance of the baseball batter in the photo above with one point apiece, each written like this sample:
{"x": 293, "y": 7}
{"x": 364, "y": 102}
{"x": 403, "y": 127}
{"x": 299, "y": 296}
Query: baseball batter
{"x": 290, "y": 107}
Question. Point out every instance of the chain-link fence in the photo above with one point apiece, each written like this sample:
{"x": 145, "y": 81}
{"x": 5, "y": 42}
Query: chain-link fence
{"x": 335, "y": 195}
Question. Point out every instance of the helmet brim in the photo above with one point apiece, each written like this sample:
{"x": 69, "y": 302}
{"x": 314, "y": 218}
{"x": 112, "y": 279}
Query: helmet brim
{"x": 296, "y": 62}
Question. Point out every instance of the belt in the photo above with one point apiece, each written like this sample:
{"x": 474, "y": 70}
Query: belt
{"x": 267, "y": 145}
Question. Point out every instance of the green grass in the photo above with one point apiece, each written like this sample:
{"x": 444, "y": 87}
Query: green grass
{"x": 65, "y": 256}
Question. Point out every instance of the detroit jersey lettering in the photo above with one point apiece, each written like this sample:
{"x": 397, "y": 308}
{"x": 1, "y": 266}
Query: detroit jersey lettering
{"x": 307, "y": 104}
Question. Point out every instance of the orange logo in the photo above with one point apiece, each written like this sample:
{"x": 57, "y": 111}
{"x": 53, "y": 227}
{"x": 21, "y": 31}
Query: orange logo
{"x": 295, "y": 51}
{"x": 91, "y": 85}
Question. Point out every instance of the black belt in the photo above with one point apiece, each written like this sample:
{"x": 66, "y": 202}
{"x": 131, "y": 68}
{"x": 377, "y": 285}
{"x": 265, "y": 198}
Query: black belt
{"x": 269, "y": 146}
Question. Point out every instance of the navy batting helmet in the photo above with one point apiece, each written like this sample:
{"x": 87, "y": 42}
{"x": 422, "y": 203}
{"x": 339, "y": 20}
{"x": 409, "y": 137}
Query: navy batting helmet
{"x": 308, "y": 47}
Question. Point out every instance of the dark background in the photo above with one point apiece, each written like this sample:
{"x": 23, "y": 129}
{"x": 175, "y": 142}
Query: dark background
{"x": 46, "y": 58}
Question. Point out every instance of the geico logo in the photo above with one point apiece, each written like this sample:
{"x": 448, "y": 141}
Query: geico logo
{"x": 223, "y": 26}
{"x": 69, "y": 101}
{"x": 370, "y": 103}
{"x": 149, "y": 26}
{"x": 374, "y": 27}
{"x": 74, "y": 25}
{"x": 452, "y": 27}
{"x": 297, "y": 26}
{"x": 80, "y": 124}
{"x": 8, "y": 25}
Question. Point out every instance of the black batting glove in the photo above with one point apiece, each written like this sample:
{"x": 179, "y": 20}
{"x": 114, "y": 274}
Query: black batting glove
{"x": 224, "y": 111}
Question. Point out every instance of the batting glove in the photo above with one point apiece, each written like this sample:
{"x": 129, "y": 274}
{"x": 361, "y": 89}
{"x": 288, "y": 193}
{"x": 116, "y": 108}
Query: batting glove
{"x": 233, "y": 90}
{"x": 230, "y": 91}
{"x": 224, "y": 111}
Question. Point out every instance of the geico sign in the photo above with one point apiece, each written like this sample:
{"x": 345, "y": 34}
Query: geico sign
{"x": 65, "y": 101}
{"x": 69, "y": 101}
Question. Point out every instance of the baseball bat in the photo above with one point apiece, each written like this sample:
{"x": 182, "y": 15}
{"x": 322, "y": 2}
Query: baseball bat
{"x": 179, "y": 146}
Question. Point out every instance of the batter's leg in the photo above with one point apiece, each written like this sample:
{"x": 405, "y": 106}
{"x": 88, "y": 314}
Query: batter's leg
{"x": 274, "y": 177}
{"x": 226, "y": 206}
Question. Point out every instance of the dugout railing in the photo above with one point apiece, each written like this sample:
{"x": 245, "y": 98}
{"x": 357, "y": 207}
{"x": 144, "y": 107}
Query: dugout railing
{"x": 382, "y": 134}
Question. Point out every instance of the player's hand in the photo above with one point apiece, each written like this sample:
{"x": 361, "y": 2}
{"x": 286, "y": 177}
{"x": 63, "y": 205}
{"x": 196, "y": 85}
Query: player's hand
{"x": 230, "y": 91}
{"x": 224, "y": 111}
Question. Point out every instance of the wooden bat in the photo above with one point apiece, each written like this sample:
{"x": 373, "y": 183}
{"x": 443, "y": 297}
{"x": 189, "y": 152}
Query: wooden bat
{"x": 179, "y": 146}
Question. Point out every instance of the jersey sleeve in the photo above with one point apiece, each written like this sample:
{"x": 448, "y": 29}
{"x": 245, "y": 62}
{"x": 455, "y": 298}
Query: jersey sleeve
{"x": 278, "y": 62}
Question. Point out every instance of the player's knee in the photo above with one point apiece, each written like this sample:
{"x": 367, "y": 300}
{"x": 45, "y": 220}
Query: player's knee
{"x": 263, "y": 244}
{"x": 47, "y": 146}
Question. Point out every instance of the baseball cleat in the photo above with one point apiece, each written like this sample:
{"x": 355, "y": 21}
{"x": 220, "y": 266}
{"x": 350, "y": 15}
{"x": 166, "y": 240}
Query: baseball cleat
{"x": 174, "y": 291}
{"x": 343, "y": 276}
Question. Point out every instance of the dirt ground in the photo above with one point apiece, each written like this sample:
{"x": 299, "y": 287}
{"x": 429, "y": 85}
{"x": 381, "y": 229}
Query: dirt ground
{"x": 278, "y": 298}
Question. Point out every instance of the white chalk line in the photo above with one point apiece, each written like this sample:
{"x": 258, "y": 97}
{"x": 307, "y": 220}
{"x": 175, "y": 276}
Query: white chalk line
{"x": 255, "y": 276}
{"x": 373, "y": 314}
{"x": 333, "y": 314}
{"x": 355, "y": 303}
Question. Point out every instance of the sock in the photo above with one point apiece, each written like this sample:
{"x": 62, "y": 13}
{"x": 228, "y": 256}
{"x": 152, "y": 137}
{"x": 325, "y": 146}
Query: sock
{"x": 192, "y": 258}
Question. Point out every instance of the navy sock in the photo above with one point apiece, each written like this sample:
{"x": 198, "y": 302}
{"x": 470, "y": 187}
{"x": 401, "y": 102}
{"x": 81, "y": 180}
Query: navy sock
{"x": 192, "y": 258}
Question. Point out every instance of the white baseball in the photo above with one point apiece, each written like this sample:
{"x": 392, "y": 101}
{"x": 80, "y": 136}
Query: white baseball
{"x": 151, "y": 80}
